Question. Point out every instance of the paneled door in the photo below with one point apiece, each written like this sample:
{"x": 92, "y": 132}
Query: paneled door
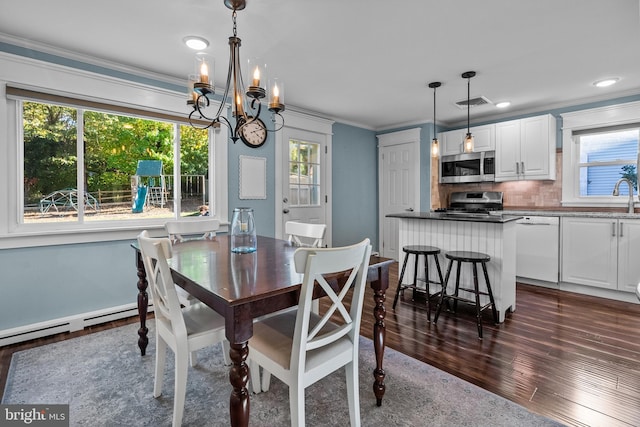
{"x": 399, "y": 183}
{"x": 303, "y": 184}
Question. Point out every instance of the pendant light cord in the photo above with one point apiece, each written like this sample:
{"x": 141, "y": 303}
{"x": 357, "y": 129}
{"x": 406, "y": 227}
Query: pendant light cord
{"x": 468, "y": 104}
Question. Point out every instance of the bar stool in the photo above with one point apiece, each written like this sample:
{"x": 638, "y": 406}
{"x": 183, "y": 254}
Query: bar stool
{"x": 474, "y": 258}
{"x": 417, "y": 251}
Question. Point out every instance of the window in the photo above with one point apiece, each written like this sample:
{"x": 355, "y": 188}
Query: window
{"x": 91, "y": 117}
{"x": 122, "y": 167}
{"x": 600, "y": 146}
{"x": 606, "y": 157}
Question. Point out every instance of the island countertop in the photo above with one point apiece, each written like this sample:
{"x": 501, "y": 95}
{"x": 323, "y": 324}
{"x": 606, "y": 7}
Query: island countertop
{"x": 492, "y": 217}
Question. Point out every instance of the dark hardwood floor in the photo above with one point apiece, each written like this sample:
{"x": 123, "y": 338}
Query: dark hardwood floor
{"x": 569, "y": 357}
{"x": 572, "y": 358}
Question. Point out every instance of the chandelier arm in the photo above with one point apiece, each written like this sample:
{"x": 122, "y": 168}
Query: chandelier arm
{"x": 275, "y": 124}
{"x": 193, "y": 121}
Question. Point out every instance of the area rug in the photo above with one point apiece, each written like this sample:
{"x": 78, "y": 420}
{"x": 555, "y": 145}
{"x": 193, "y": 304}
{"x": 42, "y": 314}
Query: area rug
{"x": 107, "y": 383}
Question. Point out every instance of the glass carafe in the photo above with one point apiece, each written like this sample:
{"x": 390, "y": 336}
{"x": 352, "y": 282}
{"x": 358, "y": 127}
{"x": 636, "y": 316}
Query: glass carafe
{"x": 243, "y": 231}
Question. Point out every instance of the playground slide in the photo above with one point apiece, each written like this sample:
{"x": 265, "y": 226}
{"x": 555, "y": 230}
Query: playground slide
{"x": 141, "y": 198}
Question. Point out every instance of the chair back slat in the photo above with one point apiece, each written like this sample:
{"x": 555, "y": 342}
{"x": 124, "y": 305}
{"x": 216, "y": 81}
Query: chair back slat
{"x": 201, "y": 227}
{"x": 305, "y": 234}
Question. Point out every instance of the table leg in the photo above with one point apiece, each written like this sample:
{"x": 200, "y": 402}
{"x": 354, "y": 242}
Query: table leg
{"x": 238, "y": 377}
{"x": 379, "y": 331}
{"x": 143, "y": 303}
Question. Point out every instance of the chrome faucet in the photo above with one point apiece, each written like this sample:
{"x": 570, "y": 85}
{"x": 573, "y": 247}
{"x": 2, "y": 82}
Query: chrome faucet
{"x": 616, "y": 191}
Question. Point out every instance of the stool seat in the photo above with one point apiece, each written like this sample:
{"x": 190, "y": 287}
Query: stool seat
{"x": 417, "y": 251}
{"x": 421, "y": 250}
{"x": 473, "y": 258}
{"x": 467, "y": 256}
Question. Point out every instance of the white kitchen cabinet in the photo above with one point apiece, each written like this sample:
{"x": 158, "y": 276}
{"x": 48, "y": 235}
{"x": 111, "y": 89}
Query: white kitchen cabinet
{"x": 451, "y": 142}
{"x": 601, "y": 252}
{"x": 526, "y": 149}
{"x": 483, "y": 139}
{"x": 628, "y": 254}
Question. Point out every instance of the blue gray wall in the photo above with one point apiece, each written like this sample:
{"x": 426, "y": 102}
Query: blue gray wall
{"x": 263, "y": 210}
{"x": 355, "y": 185}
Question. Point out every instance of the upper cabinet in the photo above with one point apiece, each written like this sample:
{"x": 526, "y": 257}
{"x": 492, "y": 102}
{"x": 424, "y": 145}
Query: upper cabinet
{"x": 483, "y": 139}
{"x": 526, "y": 149}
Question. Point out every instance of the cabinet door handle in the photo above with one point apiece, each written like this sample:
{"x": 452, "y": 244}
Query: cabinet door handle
{"x": 522, "y": 167}
{"x": 517, "y": 168}
{"x": 620, "y": 229}
{"x": 613, "y": 229}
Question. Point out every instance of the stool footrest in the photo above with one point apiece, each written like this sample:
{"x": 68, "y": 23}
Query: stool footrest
{"x": 467, "y": 300}
{"x": 471, "y": 290}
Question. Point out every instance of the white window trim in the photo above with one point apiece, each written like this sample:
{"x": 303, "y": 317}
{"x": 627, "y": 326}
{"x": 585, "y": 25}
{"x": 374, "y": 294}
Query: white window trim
{"x": 42, "y": 76}
{"x": 590, "y": 119}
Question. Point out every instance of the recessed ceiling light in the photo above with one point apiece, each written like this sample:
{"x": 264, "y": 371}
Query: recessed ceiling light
{"x": 606, "y": 82}
{"x": 195, "y": 42}
{"x": 503, "y": 104}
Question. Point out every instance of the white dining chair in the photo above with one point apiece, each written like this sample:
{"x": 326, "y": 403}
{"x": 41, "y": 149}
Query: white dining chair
{"x": 300, "y": 347}
{"x": 183, "y": 228}
{"x": 305, "y": 234}
{"x": 184, "y": 330}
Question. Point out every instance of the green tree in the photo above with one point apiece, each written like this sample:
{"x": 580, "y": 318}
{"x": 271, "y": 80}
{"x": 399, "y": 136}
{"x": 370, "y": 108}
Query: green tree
{"x": 50, "y": 158}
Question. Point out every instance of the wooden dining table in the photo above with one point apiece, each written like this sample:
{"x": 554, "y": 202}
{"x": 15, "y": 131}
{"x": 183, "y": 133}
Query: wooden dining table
{"x": 242, "y": 287}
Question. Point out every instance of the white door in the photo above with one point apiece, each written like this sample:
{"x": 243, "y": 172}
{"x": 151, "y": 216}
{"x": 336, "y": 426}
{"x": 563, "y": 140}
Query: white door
{"x": 399, "y": 184}
{"x": 304, "y": 183}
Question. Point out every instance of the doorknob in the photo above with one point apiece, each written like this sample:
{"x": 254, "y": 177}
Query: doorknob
{"x": 410, "y": 210}
{"x": 286, "y": 211}
{"x": 285, "y": 200}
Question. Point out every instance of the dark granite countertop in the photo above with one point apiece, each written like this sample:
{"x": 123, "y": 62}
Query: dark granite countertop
{"x": 569, "y": 213}
{"x": 493, "y": 217}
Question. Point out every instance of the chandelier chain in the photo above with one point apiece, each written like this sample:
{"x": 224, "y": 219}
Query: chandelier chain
{"x": 235, "y": 27}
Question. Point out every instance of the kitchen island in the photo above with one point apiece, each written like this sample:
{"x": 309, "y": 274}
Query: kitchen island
{"x": 491, "y": 233}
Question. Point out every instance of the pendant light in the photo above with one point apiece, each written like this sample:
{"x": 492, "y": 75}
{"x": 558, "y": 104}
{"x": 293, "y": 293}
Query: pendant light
{"x": 435, "y": 145}
{"x": 468, "y": 140}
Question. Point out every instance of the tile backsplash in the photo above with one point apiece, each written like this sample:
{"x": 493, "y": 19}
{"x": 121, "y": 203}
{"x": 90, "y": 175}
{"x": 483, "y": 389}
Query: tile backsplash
{"x": 527, "y": 195}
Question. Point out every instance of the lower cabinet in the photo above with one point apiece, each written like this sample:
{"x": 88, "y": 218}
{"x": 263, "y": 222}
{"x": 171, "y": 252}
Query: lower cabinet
{"x": 601, "y": 252}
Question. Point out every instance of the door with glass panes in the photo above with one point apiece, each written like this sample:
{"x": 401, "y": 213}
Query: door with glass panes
{"x": 304, "y": 195}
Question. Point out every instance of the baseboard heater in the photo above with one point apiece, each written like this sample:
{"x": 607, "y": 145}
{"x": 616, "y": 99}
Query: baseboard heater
{"x": 67, "y": 324}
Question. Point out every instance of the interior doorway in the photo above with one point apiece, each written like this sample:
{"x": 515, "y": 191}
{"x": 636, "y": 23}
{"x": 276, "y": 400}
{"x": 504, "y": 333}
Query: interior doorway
{"x": 398, "y": 184}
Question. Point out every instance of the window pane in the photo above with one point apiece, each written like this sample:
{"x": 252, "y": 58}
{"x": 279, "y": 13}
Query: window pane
{"x": 124, "y": 187}
{"x": 315, "y": 195}
{"x": 194, "y": 171}
{"x": 50, "y": 162}
{"x": 600, "y": 180}
{"x": 304, "y": 177}
{"x": 605, "y": 158}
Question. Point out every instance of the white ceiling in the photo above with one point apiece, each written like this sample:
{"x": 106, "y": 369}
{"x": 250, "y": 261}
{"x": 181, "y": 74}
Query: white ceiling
{"x": 368, "y": 62}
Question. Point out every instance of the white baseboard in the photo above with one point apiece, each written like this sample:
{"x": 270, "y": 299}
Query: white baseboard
{"x": 67, "y": 324}
{"x": 583, "y": 289}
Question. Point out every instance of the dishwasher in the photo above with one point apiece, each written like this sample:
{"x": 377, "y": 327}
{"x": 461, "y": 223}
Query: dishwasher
{"x": 538, "y": 248}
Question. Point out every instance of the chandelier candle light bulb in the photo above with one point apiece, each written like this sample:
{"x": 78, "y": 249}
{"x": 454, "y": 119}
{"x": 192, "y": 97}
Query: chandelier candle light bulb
{"x": 276, "y": 96}
{"x": 256, "y": 77}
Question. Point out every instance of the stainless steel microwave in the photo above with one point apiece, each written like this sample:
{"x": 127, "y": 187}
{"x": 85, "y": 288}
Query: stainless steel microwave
{"x": 468, "y": 167}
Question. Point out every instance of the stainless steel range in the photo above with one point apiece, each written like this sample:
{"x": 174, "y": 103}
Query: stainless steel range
{"x": 479, "y": 202}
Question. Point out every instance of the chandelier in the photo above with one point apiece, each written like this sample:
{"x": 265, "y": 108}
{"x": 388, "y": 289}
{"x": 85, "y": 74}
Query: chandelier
{"x": 246, "y": 101}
